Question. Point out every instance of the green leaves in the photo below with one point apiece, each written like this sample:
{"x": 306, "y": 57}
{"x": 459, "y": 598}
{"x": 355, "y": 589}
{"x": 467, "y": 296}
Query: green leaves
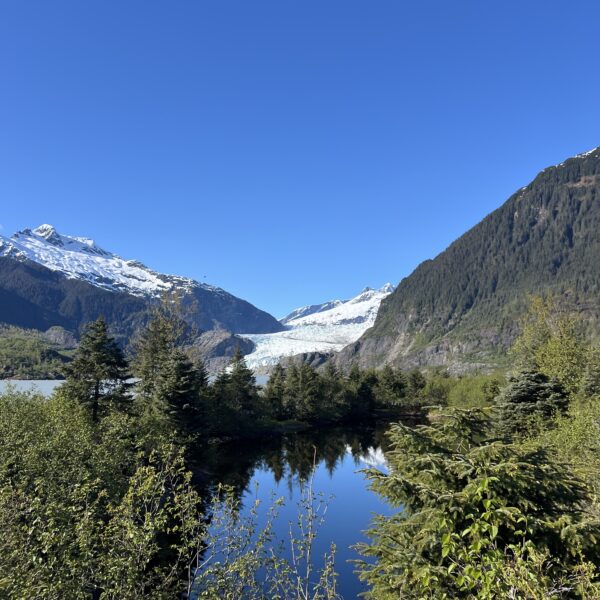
{"x": 478, "y": 516}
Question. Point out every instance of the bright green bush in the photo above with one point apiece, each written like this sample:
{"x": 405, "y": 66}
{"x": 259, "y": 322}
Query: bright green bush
{"x": 478, "y": 518}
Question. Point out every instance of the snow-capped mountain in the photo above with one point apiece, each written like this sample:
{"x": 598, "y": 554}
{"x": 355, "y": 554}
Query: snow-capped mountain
{"x": 49, "y": 279}
{"x": 326, "y": 328}
{"x": 80, "y": 258}
{"x": 304, "y": 311}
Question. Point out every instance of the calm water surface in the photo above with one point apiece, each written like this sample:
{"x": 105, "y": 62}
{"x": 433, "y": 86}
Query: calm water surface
{"x": 280, "y": 466}
{"x": 42, "y": 386}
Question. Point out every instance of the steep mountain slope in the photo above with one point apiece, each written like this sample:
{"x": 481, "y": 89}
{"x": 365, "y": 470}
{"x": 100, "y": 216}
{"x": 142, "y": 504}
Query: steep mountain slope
{"x": 49, "y": 279}
{"x": 460, "y": 308}
{"x": 320, "y": 328}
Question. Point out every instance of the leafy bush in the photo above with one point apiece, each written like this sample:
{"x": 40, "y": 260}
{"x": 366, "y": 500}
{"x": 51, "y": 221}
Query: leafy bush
{"x": 479, "y": 518}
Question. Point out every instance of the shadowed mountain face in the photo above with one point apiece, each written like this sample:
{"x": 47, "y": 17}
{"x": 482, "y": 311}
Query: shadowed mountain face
{"x": 48, "y": 279}
{"x": 460, "y": 308}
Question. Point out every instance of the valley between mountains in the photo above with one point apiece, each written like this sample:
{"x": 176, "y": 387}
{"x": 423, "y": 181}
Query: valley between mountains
{"x": 459, "y": 310}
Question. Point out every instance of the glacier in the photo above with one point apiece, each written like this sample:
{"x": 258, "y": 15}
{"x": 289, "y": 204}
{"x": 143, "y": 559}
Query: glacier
{"x": 325, "y": 328}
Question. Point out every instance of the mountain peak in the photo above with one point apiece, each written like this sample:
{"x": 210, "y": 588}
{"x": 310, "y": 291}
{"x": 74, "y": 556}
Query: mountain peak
{"x": 588, "y": 153}
{"x": 45, "y": 230}
{"x": 593, "y": 153}
{"x": 49, "y": 233}
{"x": 322, "y": 328}
{"x": 80, "y": 258}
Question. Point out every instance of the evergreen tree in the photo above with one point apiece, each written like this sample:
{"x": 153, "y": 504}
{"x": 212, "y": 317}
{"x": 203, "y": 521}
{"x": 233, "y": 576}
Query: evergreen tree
{"x": 152, "y": 349}
{"x": 478, "y": 520}
{"x": 416, "y": 384}
{"x": 590, "y": 382}
{"x": 234, "y": 399}
{"x": 309, "y": 393}
{"x": 244, "y": 396}
{"x": 391, "y": 387}
{"x": 97, "y": 376}
{"x": 291, "y": 400}
{"x": 360, "y": 396}
{"x": 333, "y": 401}
{"x": 181, "y": 388}
{"x": 274, "y": 393}
{"x": 354, "y": 374}
{"x": 222, "y": 418}
{"x": 528, "y": 394}
{"x": 171, "y": 388}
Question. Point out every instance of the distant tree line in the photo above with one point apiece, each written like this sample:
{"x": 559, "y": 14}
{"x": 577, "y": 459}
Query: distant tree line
{"x": 172, "y": 392}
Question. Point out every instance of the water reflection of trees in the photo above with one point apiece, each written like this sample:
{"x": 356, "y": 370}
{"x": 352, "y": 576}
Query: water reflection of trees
{"x": 289, "y": 458}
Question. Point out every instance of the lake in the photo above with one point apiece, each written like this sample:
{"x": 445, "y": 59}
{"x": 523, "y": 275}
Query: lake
{"x": 279, "y": 466}
{"x": 42, "y": 386}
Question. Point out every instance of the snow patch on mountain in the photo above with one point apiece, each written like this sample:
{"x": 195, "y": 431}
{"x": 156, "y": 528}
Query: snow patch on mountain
{"x": 310, "y": 310}
{"x": 80, "y": 258}
{"x": 326, "y": 327}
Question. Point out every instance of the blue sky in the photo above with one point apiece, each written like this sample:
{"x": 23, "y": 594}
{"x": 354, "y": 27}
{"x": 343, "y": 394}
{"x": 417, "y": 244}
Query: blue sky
{"x": 290, "y": 152}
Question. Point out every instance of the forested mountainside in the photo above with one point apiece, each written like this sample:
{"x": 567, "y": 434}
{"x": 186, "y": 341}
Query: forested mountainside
{"x": 460, "y": 309}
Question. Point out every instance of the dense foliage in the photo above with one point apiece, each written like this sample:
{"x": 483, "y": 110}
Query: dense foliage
{"x": 477, "y": 515}
{"x": 26, "y": 354}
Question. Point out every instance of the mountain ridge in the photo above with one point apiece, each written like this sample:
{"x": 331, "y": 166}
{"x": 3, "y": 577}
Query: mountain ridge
{"x": 80, "y": 258}
{"x": 460, "y": 308}
{"x": 50, "y": 279}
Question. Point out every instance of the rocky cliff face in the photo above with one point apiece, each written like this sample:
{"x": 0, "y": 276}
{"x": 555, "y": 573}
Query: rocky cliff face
{"x": 217, "y": 347}
{"x": 460, "y": 309}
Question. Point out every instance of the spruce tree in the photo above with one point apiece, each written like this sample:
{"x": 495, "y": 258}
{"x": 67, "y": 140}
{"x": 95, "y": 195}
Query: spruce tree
{"x": 333, "y": 401}
{"x": 97, "y": 376}
{"x": 274, "y": 393}
{"x": 391, "y": 387}
{"x": 360, "y": 396}
{"x": 171, "y": 388}
{"x": 416, "y": 384}
{"x": 243, "y": 384}
{"x": 180, "y": 389}
{"x": 528, "y": 395}
{"x": 309, "y": 393}
{"x": 590, "y": 383}
{"x": 234, "y": 398}
{"x": 477, "y": 518}
{"x": 292, "y": 391}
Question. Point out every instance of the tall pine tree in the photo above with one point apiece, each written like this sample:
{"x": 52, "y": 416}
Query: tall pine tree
{"x": 97, "y": 376}
{"x": 171, "y": 389}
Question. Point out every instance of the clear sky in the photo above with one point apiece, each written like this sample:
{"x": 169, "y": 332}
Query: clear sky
{"x": 288, "y": 151}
